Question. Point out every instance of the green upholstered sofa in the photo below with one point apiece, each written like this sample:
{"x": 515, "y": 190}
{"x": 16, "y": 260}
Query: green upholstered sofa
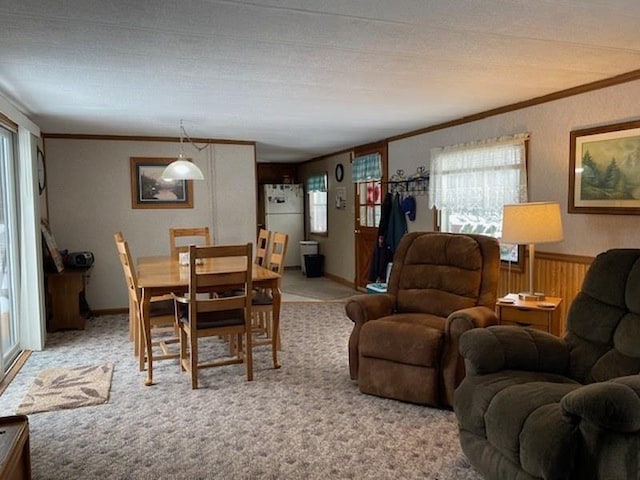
{"x": 536, "y": 406}
{"x": 404, "y": 344}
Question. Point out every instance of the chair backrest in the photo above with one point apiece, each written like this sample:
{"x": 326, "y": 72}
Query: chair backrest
{"x": 187, "y": 236}
{"x": 439, "y": 273}
{"x": 130, "y": 278}
{"x": 202, "y": 278}
{"x": 603, "y": 322}
{"x": 262, "y": 247}
{"x": 278, "y": 252}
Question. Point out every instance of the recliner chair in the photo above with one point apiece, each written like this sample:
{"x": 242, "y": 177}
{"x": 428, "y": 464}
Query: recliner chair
{"x": 536, "y": 406}
{"x": 404, "y": 344}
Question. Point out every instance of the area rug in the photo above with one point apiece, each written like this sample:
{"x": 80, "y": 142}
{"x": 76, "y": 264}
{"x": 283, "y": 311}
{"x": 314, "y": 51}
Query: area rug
{"x": 63, "y": 388}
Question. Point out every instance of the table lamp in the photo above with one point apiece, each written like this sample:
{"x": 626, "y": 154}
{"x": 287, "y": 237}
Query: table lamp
{"x": 531, "y": 223}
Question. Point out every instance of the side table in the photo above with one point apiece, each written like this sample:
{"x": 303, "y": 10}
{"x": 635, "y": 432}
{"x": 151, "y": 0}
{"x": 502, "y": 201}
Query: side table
{"x": 539, "y": 314}
{"x": 15, "y": 457}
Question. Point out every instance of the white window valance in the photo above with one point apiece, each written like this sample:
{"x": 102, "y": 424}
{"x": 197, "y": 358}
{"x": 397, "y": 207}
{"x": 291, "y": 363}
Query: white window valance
{"x": 479, "y": 176}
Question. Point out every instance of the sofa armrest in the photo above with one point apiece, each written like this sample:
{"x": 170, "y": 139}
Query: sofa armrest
{"x": 502, "y": 347}
{"x": 458, "y": 322}
{"x": 611, "y": 405}
{"x": 468, "y": 318}
{"x": 362, "y": 308}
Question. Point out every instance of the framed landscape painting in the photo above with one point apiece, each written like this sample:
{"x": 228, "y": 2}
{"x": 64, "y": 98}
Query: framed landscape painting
{"x": 149, "y": 190}
{"x": 604, "y": 169}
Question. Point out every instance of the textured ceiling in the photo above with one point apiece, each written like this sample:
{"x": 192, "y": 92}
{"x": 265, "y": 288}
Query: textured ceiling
{"x": 300, "y": 77}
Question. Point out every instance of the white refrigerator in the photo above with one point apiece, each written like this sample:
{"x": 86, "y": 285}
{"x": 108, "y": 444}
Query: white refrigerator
{"x": 284, "y": 212}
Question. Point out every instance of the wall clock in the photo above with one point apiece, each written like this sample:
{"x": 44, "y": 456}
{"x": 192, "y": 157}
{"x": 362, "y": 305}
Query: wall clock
{"x": 339, "y": 172}
{"x": 42, "y": 172}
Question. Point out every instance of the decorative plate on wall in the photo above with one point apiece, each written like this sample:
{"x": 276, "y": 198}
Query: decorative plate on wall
{"x": 339, "y": 172}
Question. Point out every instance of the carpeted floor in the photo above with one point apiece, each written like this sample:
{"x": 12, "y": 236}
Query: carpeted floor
{"x": 304, "y": 421}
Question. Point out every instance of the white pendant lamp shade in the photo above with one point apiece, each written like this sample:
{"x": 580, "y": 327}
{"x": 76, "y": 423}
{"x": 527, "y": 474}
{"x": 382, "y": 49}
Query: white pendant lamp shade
{"x": 182, "y": 169}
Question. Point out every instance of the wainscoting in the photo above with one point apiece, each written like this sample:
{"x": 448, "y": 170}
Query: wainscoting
{"x": 557, "y": 275}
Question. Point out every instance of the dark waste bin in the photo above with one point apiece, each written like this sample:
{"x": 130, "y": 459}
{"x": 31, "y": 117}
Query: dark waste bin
{"x": 313, "y": 264}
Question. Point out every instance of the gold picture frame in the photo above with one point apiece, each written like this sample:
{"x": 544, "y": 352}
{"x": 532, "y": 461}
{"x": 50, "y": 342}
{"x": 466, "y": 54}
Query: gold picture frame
{"x": 148, "y": 190}
{"x": 604, "y": 170}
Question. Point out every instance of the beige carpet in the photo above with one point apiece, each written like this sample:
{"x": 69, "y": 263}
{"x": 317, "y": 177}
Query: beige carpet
{"x": 62, "y": 388}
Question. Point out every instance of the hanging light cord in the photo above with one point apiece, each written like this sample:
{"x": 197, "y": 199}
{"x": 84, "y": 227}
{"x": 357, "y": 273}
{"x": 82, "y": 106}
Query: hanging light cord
{"x": 183, "y": 133}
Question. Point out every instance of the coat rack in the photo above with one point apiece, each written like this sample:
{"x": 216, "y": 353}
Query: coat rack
{"x": 415, "y": 184}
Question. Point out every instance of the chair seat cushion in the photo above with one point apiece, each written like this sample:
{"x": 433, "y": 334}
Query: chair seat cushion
{"x": 413, "y": 339}
{"x": 519, "y": 414}
{"x": 225, "y": 318}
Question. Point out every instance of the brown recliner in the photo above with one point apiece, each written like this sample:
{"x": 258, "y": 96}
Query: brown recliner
{"x": 404, "y": 344}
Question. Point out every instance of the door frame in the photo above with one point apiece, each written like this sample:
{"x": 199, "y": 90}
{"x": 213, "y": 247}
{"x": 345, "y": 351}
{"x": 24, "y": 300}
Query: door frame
{"x": 381, "y": 148}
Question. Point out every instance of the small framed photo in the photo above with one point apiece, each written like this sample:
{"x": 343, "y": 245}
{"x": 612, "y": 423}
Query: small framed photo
{"x": 604, "y": 170}
{"x": 149, "y": 190}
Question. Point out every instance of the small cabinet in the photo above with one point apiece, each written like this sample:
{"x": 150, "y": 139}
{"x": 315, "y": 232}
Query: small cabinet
{"x": 541, "y": 315}
{"x": 66, "y": 305}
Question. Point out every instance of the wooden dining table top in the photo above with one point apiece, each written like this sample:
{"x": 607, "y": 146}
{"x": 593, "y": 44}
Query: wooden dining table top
{"x": 166, "y": 271}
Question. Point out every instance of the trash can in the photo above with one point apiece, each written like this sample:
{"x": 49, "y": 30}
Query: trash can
{"x": 313, "y": 264}
{"x": 307, "y": 247}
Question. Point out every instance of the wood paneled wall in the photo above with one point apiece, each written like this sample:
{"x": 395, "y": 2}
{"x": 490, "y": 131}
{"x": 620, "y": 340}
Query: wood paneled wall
{"x": 557, "y": 275}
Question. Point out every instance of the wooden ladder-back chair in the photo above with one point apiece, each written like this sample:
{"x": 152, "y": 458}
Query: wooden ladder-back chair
{"x": 263, "y": 304}
{"x": 262, "y": 247}
{"x": 198, "y": 316}
{"x": 196, "y": 235}
{"x": 162, "y": 314}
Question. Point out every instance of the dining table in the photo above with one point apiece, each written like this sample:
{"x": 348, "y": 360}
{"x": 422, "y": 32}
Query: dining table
{"x": 162, "y": 275}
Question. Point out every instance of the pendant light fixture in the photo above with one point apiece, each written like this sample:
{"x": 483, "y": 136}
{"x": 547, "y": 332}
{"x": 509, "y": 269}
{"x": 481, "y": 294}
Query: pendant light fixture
{"x": 181, "y": 168}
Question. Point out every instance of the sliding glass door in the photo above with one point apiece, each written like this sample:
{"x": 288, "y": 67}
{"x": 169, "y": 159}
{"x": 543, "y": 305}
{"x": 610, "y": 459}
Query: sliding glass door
{"x": 9, "y": 338}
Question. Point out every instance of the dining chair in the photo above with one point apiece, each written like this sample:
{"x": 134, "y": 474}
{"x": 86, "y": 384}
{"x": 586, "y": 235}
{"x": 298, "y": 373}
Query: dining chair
{"x": 262, "y": 300}
{"x": 262, "y": 247}
{"x": 195, "y": 235}
{"x": 218, "y": 316}
{"x": 162, "y": 316}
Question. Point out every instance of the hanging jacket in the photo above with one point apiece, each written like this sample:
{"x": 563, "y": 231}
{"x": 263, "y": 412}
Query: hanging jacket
{"x": 397, "y": 224}
{"x": 381, "y": 252}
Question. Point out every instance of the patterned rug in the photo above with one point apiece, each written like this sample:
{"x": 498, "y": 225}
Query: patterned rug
{"x": 62, "y": 388}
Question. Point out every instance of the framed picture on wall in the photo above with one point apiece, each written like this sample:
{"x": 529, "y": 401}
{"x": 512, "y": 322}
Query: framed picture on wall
{"x": 604, "y": 169}
{"x": 149, "y": 190}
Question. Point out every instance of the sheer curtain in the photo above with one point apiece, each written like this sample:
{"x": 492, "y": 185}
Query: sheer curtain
{"x": 471, "y": 182}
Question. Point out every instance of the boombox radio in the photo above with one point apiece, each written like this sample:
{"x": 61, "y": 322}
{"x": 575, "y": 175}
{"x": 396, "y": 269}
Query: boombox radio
{"x": 80, "y": 259}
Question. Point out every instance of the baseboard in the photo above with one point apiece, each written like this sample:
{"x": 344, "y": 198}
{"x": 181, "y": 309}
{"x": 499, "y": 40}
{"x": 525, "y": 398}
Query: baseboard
{"x": 13, "y": 371}
{"x": 340, "y": 280}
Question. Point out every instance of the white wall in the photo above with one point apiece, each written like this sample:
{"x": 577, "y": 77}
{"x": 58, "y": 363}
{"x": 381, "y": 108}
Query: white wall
{"x": 338, "y": 245}
{"x": 550, "y": 125}
{"x": 89, "y": 197}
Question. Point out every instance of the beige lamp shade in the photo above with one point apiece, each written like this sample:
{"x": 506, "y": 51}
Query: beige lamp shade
{"x": 527, "y": 223}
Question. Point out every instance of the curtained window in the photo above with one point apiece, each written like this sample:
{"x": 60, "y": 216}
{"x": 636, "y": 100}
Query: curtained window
{"x": 366, "y": 168}
{"x": 471, "y": 182}
{"x": 317, "y": 191}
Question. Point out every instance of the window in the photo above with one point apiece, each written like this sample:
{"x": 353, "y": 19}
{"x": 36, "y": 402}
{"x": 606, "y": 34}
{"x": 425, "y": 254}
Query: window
{"x": 366, "y": 173}
{"x": 471, "y": 183}
{"x": 317, "y": 190}
{"x": 9, "y": 338}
